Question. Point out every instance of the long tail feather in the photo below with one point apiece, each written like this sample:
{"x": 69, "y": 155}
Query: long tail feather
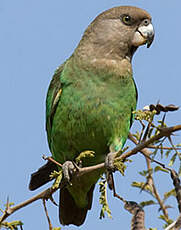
{"x": 42, "y": 175}
{"x": 69, "y": 213}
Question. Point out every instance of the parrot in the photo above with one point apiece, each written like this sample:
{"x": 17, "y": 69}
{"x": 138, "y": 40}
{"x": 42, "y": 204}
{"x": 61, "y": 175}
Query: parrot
{"x": 90, "y": 104}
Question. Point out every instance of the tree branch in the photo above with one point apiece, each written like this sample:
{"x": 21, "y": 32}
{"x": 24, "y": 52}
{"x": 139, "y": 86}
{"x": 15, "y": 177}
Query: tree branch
{"x": 46, "y": 213}
{"x": 46, "y": 194}
{"x": 138, "y": 219}
{"x": 43, "y": 195}
{"x": 150, "y": 179}
{"x": 176, "y": 225}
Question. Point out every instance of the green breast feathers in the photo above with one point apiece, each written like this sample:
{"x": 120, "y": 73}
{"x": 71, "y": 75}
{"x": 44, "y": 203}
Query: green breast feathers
{"x": 89, "y": 109}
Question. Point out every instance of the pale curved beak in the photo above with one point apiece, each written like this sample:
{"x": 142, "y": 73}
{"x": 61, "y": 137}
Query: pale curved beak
{"x": 143, "y": 35}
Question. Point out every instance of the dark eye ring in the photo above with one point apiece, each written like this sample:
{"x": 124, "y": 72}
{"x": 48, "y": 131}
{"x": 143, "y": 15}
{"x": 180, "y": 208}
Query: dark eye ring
{"x": 126, "y": 19}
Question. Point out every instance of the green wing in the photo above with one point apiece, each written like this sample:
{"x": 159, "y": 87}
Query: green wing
{"x": 53, "y": 97}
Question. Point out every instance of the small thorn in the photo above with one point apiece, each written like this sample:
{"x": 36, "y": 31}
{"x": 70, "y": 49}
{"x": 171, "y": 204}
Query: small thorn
{"x": 7, "y": 203}
{"x": 52, "y": 200}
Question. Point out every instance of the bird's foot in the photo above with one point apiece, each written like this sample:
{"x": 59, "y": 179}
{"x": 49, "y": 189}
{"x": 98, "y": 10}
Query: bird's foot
{"x": 69, "y": 168}
{"x": 109, "y": 162}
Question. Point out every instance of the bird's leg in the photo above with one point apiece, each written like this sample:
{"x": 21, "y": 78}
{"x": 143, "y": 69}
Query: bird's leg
{"x": 109, "y": 162}
{"x": 69, "y": 169}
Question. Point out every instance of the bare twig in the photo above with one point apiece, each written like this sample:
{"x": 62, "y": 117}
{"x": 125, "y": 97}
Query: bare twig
{"x": 46, "y": 212}
{"x": 52, "y": 160}
{"x": 171, "y": 142}
{"x": 146, "y": 152}
{"x": 164, "y": 132}
{"x": 160, "y": 201}
{"x": 163, "y": 147}
{"x": 114, "y": 189}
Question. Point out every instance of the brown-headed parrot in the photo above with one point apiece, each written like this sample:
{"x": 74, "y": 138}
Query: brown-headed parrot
{"x": 90, "y": 102}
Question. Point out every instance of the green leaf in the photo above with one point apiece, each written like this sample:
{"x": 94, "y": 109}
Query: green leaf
{"x": 9, "y": 204}
{"x": 147, "y": 203}
{"x": 56, "y": 228}
{"x": 103, "y": 199}
{"x": 162, "y": 124}
{"x": 161, "y": 150}
{"x": 157, "y": 131}
{"x": 154, "y": 152}
{"x": 137, "y": 135}
{"x": 146, "y": 172}
{"x": 172, "y": 161}
{"x": 12, "y": 225}
{"x": 159, "y": 168}
{"x": 162, "y": 217}
{"x": 170, "y": 193}
{"x": 1, "y": 210}
{"x": 120, "y": 166}
{"x": 167, "y": 153}
{"x": 142, "y": 186}
{"x": 125, "y": 149}
{"x": 168, "y": 221}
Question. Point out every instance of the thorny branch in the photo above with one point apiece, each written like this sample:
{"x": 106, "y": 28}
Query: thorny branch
{"x": 150, "y": 180}
{"x": 46, "y": 194}
{"x": 176, "y": 182}
{"x": 43, "y": 195}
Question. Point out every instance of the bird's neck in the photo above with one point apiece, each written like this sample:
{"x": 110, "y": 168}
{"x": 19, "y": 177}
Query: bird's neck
{"x": 110, "y": 57}
{"x": 120, "y": 66}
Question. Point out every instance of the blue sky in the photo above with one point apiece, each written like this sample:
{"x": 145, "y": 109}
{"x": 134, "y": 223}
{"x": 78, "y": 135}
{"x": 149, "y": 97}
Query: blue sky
{"x": 35, "y": 37}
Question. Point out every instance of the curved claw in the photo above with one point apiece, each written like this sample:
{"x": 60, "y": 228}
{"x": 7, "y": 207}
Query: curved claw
{"x": 68, "y": 169}
{"x": 109, "y": 161}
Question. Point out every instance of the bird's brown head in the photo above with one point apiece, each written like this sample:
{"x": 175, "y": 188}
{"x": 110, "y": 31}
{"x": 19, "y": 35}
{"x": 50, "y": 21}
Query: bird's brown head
{"x": 117, "y": 33}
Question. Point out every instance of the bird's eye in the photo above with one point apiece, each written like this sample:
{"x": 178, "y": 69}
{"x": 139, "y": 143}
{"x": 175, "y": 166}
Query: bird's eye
{"x": 126, "y": 19}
